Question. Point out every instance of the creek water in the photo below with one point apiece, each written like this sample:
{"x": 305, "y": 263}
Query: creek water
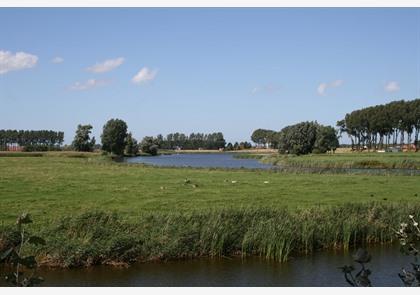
{"x": 210, "y": 160}
{"x": 318, "y": 269}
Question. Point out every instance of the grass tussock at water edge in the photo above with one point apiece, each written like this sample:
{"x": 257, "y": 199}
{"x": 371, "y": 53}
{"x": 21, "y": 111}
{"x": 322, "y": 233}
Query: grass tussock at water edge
{"x": 93, "y": 238}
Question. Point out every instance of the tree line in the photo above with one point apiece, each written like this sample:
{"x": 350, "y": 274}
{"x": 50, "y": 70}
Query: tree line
{"x": 194, "y": 141}
{"x": 380, "y": 126}
{"x": 116, "y": 140}
{"x": 243, "y": 145}
{"x": 31, "y": 140}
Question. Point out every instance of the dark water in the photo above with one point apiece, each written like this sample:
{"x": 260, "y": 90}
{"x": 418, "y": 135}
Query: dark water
{"x": 216, "y": 160}
{"x": 320, "y": 269}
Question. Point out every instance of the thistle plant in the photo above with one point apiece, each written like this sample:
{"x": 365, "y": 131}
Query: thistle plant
{"x": 24, "y": 267}
{"x": 409, "y": 236}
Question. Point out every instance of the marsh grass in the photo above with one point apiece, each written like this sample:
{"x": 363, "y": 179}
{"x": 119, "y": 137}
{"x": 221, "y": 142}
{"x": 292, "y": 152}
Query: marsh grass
{"x": 347, "y": 161}
{"x": 98, "y": 237}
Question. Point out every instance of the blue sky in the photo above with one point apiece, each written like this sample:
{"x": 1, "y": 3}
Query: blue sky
{"x": 202, "y": 70}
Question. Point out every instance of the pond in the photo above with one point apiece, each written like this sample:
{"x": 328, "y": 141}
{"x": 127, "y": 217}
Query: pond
{"x": 203, "y": 160}
{"x": 320, "y": 269}
{"x": 228, "y": 160}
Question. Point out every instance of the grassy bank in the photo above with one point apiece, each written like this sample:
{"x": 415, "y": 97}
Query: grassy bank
{"x": 109, "y": 238}
{"x": 347, "y": 160}
{"x": 92, "y": 210}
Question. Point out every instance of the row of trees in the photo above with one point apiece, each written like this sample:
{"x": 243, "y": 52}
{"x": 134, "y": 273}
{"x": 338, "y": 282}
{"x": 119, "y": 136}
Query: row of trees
{"x": 194, "y": 141}
{"x": 31, "y": 140}
{"x": 395, "y": 123}
{"x": 116, "y": 140}
{"x": 243, "y": 145}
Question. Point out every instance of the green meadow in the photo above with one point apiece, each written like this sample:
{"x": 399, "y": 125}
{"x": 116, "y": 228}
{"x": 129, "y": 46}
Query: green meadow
{"x": 95, "y": 211}
{"x": 52, "y": 186}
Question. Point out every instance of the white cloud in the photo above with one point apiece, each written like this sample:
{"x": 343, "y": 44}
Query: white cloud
{"x": 106, "y": 66}
{"x": 392, "y": 86}
{"x": 322, "y": 88}
{"x": 15, "y": 62}
{"x": 144, "y": 75}
{"x": 57, "y": 60}
{"x": 91, "y": 83}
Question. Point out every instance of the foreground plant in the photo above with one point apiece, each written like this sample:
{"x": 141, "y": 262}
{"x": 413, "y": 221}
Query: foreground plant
{"x": 24, "y": 267}
{"x": 409, "y": 236}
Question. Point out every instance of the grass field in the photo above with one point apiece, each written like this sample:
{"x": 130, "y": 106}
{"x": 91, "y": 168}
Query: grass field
{"x": 53, "y": 186}
{"x": 181, "y": 212}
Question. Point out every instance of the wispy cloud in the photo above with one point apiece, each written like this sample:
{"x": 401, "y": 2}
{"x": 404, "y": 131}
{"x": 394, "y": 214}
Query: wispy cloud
{"x": 106, "y": 66}
{"x": 322, "y": 88}
{"x": 144, "y": 75}
{"x": 57, "y": 60}
{"x": 392, "y": 86}
{"x": 16, "y": 61}
{"x": 268, "y": 88}
{"x": 91, "y": 83}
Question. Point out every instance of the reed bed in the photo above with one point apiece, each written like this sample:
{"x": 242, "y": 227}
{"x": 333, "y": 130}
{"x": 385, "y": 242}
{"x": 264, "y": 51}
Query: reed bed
{"x": 93, "y": 238}
{"x": 347, "y": 161}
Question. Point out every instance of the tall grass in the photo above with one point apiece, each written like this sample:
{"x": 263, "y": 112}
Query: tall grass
{"x": 103, "y": 238}
{"x": 346, "y": 161}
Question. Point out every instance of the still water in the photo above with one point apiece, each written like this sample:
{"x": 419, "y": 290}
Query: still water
{"x": 216, "y": 160}
{"x": 319, "y": 269}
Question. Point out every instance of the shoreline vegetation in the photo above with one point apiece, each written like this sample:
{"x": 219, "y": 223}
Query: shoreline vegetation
{"x": 99, "y": 237}
{"x": 93, "y": 211}
{"x": 354, "y": 160}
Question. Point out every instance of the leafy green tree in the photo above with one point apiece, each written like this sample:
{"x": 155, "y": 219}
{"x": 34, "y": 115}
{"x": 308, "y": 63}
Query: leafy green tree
{"x": 131, "y": 147}
{"x": 298, "y": 139}
{"x": 82, "y": 141}
{"x": 148, "y": 145}
{"x": 307, "y": 137}
{"x": 326, "y": 140}
{"x": 114, "y": 136}
{"x": 265, "y": 137}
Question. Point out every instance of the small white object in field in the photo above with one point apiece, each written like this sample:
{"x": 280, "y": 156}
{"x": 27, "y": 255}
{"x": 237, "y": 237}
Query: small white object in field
{"x": 234, "y": 181}
{"x": 266, "y": 181}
